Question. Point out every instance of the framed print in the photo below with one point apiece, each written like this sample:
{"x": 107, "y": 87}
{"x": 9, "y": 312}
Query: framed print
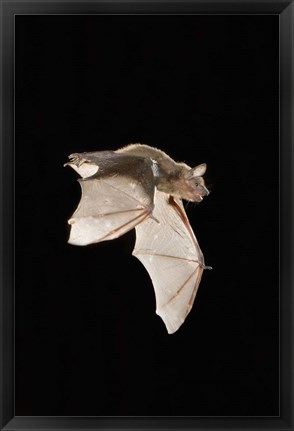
{"x": 203, "y": 92}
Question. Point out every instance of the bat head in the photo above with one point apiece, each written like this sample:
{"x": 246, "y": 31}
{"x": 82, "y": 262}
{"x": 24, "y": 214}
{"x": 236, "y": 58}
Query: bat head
{"x": 193, "y": 186}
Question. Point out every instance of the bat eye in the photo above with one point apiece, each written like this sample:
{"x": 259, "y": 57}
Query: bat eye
{"x": 196, "y": 184}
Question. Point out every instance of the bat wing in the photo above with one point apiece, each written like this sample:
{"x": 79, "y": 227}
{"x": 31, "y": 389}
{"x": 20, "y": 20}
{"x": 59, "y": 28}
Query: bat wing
{"x": 170, "y": 252}
{"x": 117, "y": 194}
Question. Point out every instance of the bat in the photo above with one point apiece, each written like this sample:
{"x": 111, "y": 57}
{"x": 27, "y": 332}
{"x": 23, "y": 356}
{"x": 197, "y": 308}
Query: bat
{"x": 141, "y": 187}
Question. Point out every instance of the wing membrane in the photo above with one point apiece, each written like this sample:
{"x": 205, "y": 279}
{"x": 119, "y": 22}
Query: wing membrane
{"x": 110, "y": 205}
{"x": 170, "y": 252}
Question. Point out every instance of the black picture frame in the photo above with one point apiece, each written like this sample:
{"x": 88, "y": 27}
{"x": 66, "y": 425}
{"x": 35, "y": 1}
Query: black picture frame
{"x": 7, "y": 396}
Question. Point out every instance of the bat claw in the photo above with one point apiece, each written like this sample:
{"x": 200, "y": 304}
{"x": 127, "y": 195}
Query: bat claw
{"x": 76, "y": 159}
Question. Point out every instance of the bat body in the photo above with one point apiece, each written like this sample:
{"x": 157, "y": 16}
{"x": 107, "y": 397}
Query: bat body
{"x": 141, "y": 187}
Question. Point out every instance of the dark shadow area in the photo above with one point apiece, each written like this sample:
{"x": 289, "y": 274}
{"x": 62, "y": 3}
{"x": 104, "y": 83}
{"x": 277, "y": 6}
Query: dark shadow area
{"x": 203, "y": 89}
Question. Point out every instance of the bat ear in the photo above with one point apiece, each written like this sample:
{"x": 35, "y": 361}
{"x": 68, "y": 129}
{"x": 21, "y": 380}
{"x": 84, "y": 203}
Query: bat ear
{"x": 198, "y": 171}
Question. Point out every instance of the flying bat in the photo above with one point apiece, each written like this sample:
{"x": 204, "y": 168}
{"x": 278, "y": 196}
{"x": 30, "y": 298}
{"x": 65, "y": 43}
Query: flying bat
{"x": 141, "y": 187}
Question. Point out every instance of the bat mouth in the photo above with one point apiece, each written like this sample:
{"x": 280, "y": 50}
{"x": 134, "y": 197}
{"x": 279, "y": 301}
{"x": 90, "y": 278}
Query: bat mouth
{"x": 198, "y": 198}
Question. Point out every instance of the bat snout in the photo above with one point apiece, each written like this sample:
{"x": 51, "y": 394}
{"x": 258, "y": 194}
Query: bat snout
{"x": 205, "y": 191}
{"x": 201, "y": 193}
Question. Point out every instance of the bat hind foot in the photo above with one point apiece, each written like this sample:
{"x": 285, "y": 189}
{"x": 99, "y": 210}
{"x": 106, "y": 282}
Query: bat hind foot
{"x": 76, "y": 159}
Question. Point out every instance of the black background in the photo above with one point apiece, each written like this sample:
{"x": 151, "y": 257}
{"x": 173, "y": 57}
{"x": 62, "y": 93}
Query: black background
{"x": 203, "y": 89}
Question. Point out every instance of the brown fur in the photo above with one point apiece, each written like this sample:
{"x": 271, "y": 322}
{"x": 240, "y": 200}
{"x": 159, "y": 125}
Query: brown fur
{"x": 176, "y": 179}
